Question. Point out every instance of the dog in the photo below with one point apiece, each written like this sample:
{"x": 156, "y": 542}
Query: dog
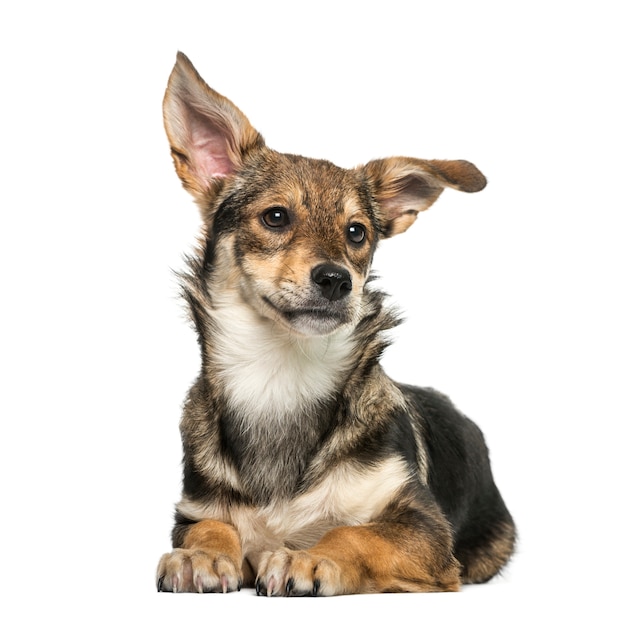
{"x": 307, "y": 470}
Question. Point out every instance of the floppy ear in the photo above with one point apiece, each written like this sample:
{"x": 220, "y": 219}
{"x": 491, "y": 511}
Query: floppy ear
{"x": 209, "y": 136}
{"x": 403, "y": 187}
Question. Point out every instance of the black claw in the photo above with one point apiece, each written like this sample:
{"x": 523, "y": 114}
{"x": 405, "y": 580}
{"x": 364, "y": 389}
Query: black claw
{"x": 316, "y": 587}
{"x": 258, "y": 588}
{"x": 289, "y": 586}
{"x": 160, "y": 583}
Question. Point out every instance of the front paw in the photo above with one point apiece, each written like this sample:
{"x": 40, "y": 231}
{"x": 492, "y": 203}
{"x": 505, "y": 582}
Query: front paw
{"x": 194, "y": 570}
{"x": 297, "y": 573}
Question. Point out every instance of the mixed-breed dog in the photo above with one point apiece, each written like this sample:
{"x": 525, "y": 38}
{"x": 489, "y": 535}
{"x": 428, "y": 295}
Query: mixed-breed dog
{"x": 306, "y": 469}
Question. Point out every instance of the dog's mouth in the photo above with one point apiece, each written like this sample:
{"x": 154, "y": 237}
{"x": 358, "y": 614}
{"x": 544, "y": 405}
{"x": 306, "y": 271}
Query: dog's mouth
{"x": 310, "y": 320}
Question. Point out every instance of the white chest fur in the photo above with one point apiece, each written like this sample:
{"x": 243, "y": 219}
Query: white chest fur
{"x": 268, "y": 372}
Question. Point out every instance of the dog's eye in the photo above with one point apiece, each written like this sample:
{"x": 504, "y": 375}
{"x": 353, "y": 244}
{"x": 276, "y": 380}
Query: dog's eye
{"x": 275, "y": 217}
{"x": 356, "y": 233}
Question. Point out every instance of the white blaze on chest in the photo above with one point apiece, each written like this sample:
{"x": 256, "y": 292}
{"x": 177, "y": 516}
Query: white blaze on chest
{"x": 268, "y": 372}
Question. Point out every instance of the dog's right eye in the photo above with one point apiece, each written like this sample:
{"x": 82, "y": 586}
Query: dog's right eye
{"x": 276, "y": 217}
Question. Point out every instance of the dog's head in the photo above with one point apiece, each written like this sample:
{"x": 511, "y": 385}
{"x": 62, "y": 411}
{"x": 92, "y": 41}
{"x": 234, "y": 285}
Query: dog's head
{"x": 294, "y": 237}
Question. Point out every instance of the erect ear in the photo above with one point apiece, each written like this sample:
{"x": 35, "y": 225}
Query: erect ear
{"x": 209, "y": 136}
{"x": 403, "y": 187}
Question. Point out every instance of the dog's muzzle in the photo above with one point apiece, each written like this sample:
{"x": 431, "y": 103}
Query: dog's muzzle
{"x": 320, "y": 308}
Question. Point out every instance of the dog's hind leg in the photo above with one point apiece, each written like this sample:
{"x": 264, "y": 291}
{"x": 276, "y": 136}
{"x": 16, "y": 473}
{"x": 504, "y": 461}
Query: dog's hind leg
{"x": 209, "y": 560}
{"x": 484, "y": 553}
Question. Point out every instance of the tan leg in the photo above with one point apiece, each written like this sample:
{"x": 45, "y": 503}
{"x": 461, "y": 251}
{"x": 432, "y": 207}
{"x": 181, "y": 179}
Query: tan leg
{"x": 209, "y": 561}
{"x": 370, "y": 558}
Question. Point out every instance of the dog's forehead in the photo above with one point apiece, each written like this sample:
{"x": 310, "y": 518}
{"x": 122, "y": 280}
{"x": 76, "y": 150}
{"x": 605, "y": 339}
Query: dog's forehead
{"x": 315, "y": 184}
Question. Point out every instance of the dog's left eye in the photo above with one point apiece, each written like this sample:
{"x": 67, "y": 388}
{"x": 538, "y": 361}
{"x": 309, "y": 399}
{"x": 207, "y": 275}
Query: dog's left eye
{"x": 276, "y": 217}
{"x": 356, "y": 233}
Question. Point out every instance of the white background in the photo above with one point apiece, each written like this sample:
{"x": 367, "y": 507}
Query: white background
{"x": 514, "y": 297}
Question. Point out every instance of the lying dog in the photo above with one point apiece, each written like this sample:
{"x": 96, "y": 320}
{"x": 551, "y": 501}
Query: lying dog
{"x": 308, "y": 471}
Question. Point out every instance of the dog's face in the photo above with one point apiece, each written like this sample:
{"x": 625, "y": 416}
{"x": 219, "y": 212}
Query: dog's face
{"x": 301, "y": 234}
{"x": 293, "y": 236}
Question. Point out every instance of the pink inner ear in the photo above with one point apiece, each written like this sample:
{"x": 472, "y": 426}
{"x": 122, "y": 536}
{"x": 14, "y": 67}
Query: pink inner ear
{"x": 400, "y": 204}
{"x": 415, "y": 195}
{"x": 209, "y": 149}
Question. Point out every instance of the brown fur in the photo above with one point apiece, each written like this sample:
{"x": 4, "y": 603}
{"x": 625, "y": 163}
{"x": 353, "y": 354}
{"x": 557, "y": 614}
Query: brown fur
{"x": 307, "y": 470}
{"x": 210, "y": 557}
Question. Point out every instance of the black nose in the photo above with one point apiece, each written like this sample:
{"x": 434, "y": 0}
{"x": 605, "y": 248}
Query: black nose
{"x": 334, "y": 281}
